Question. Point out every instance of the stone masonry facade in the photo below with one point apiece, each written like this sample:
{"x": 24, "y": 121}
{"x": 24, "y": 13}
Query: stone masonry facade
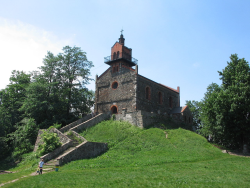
{"x": 120, "y": 89}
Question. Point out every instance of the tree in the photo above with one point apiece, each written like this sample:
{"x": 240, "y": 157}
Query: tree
{"x": 236, "y": 92}
{"x": 23, "y": 139}
{"x": 74, "y": 73}
{"x": 11, "y": 99}
{"x": 195, "y": 108}
{"x": 225, "y": 108}
{"x": 208, "y": 114}
{"x": 58, "y": 94}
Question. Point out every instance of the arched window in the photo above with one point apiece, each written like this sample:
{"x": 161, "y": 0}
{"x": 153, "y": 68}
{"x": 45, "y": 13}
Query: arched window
{"x": 117, "y": 55}
{"x": 170, "y": 102}
{"x": 114, "y": 56}
{"x": 148, "y": 93}
{"x": 160, "y": 98}
{"x": 114, "y": 109}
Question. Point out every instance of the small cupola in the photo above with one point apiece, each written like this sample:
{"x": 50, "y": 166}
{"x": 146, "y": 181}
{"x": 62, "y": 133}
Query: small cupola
{"x": 121, "y": 39}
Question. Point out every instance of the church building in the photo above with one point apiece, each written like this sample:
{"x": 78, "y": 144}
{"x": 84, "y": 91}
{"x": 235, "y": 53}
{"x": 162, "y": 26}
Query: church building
{"x": 121, "y": 90}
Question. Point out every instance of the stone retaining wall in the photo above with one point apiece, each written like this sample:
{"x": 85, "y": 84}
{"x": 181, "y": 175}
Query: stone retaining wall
{"x": 79, "y": 136}
{"x": 69, "y": 126}
{"x": 38, "y": 139}
{"x": 91, "y": 122}
{"x": 63, "y": 139}
{"x": 84, "y": 150}
{"x": 57, "y": 151}
{"x": 145, "y": 119}
{"x": 139, "y": 118}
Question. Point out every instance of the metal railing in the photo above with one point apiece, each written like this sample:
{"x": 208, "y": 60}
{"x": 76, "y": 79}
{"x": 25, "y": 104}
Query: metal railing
{"x": 112, "y": 58}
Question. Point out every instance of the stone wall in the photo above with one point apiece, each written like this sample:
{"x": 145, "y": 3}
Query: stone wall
{"x": 63, "y": 138}
{"x": 79, "y": 136}
{"x": 187, "y": 116}
{"x": 38, "y": 139}
{"x": 91, "y": 122}
{"x": 69, "y": 126}
{"x": 152, "y": 104}
{"x": 85, "y": 150}
{"x": 56, "y": 152}
{"x": 123, "y": 96}
{"x": 139, "y": 118}
{"x": 145, "y": 119}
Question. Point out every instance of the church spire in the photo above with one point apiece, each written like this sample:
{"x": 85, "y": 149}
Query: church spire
{"x": 121, "y": 39}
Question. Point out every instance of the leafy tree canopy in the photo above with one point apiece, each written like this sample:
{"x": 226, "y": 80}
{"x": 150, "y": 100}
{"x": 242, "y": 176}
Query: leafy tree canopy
{"x": 225, "y": 109}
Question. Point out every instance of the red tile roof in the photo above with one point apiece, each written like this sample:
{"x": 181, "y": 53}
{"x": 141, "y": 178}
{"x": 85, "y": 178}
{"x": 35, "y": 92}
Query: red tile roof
{"x": 184, "y": 108}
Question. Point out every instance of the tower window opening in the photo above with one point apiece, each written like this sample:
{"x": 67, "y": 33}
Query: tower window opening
{"x": 115, "y": 68}
{"x": 148, "y": 93}
{"x": 117, "y": 55}
{"x": 114, "y": 56}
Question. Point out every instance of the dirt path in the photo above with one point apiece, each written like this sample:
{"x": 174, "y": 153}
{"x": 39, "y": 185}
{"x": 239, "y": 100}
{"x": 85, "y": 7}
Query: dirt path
{"x": 235, "y": 153}
{"x": 32, "y": 174}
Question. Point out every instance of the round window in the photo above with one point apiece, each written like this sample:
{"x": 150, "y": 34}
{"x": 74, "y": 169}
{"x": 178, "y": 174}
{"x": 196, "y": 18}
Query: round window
{"x": 114, "y": 85}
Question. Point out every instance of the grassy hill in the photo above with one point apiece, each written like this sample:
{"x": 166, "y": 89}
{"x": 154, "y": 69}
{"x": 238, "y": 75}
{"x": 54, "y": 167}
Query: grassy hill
{"x": 147, "y": 158}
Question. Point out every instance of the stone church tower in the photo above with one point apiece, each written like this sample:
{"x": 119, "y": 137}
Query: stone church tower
{"x": 121, "y": 89}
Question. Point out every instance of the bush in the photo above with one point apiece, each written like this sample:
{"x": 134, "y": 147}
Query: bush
{"x": 55, "y": 125}
{"x": 50, "y": 141}
{"x": 24, "y": 138}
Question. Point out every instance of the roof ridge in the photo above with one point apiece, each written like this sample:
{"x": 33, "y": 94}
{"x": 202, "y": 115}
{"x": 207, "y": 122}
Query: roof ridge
{"x": 160, "y": 84}
{"x": 103, "y": 73}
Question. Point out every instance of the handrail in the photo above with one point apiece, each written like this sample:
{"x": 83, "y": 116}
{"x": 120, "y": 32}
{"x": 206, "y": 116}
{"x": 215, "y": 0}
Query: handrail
{"x": 127, "y": 57}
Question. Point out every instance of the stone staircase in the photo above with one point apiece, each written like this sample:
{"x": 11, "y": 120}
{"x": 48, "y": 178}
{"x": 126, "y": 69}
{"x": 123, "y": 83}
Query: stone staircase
{"x": 74, "y": 146}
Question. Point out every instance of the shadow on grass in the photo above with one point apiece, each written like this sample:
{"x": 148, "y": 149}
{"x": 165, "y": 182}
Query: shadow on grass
{"x": 7, "y": 164}
{"x": 168, "y": 123}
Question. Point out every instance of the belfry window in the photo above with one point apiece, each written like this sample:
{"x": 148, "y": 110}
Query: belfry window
{"x": 148, "y": 93}
{"x": 114, "y": 56}
{"x": 160, "y": 98}
{"x": 117, "y": 55}
{"x": 115, "y": 68}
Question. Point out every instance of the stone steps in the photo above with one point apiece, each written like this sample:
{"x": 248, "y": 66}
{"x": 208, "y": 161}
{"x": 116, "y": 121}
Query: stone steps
{"x": 68, "y": 152}
{"x": 53, "y": 162}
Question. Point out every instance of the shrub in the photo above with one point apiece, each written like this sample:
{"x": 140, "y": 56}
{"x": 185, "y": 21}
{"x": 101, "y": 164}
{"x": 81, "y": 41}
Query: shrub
{"x": 55, "y": 125}
{"x": 23, "y": 139}
{"x": 50, "y": 141}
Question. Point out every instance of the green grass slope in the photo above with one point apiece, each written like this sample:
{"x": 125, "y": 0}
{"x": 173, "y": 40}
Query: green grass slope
{"x": 146, "y": 158}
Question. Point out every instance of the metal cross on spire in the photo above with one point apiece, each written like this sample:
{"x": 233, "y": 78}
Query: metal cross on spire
{"x": 121, "y": 31}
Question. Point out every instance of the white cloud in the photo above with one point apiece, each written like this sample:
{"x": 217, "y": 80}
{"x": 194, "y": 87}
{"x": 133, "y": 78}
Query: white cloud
{"x": 23, "y": 47}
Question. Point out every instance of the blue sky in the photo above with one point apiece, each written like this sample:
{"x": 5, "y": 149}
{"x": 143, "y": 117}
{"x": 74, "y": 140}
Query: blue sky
{"x": 177, "y": 43}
